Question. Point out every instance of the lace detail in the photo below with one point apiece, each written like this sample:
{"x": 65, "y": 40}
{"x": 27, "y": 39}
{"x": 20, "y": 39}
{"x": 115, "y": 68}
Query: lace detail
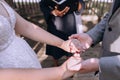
{"x": 11, "y": 14}
{"x": 6, "y": 33}
{"x": 6, "y": 28}
{"x": 14, "y": 51}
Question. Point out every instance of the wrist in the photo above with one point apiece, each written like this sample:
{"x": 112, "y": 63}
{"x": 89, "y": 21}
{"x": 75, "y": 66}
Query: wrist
{"x": 62, "y": 72}
{"x": 90, "y": 40}
{"x": 65, "y": 73}
{"x": 65, "y": 45}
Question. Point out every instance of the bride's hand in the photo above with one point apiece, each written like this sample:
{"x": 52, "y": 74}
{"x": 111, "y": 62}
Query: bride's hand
{"x": 73, "y": 63}
{"x": 70, "y": 67}
{"x": 72, "y": 45}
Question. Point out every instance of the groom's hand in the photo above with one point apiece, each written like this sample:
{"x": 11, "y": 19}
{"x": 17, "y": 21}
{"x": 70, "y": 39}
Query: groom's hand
{"x": 84, "y": 39}
{"x": 72, "y": 45}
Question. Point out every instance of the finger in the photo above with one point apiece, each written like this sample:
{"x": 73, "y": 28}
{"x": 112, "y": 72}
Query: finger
{"x": 76, "y": 46}
{"x": 67, "y": 9}
{"x": 56, "y": 7}
{"x": 74, "y": 64}
{"x": 76, "y": 55}
{"x": 74, "y": 49}
{"x": 74, "y": 36}
{"x": 64, "y": 11}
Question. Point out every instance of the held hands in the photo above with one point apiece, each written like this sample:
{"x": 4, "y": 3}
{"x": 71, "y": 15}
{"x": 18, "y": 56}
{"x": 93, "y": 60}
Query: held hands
{"x": 69, "y": 67}
{"x": 83, "y": 66}
{"x": 59, "y": 13}
{"x": 72, "y": 45}
{"x": 84, "y": 39}
{"x": 77, "y": 43}
{"x": 76, "y": 64}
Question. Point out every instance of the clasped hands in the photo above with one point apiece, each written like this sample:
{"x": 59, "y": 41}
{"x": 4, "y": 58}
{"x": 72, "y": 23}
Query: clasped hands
{"x": 77, "y": 44}
{"x": 61, "y": 13}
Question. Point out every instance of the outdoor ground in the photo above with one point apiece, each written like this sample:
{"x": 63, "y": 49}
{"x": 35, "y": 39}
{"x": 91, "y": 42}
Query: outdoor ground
{"x": 88, "y": 22}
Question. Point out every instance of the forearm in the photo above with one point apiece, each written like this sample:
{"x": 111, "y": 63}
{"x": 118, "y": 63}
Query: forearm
{"x": 89, "y": 65}
{"x": 38, "y": 34}
{"x": 31, "y": 74}
{"x": 98, "y": 31}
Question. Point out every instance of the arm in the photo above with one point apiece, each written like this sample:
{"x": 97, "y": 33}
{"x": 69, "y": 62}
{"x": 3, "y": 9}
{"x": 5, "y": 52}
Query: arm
{"x": 31, "y": 74}
{"x": 36, "y": 33}
{"x": 83, "y": 66}
{"x": 93, "y": 36}
{"x": 56, "y": 73}
{"x": 109, "y": 67}
{"x": 98, "y": 31}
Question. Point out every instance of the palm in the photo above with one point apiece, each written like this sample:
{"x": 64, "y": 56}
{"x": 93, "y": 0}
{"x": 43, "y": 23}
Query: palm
{"x": 74, "y": 64}
{"x": 84, "y": 39}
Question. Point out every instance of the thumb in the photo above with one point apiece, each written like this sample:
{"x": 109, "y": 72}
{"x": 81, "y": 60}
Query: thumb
{"x": 56, "y": 7}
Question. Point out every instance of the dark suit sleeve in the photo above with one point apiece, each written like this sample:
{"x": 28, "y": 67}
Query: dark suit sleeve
{"x": 44, "y": 6}
{"x": 110, "y": 68}
{"x": 97, "y": 32}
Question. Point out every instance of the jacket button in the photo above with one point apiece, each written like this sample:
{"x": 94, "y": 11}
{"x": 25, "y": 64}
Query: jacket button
{"x": 109, "y": 29}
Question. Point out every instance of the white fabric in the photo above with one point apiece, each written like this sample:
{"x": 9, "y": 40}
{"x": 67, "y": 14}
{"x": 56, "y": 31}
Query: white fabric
{"x": 79, "y": 26}
{"x": 14, "y": 51}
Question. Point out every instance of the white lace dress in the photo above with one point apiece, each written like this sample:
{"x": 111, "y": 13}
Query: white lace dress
{"x": 14, "y": 51}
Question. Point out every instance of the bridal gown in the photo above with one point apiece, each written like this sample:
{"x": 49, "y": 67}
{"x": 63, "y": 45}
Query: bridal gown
{"x": 14, "y": 51}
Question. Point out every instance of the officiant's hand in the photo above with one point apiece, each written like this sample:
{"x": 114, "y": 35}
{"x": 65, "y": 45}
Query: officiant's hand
{"x": 59, "y": 13}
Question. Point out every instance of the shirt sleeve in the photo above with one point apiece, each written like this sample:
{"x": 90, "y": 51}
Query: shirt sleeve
{"x": 97, "y": 32}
